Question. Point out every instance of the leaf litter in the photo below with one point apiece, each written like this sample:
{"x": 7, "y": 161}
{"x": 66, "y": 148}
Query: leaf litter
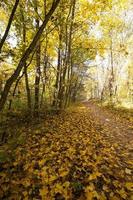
{"x": 68, "y": 157}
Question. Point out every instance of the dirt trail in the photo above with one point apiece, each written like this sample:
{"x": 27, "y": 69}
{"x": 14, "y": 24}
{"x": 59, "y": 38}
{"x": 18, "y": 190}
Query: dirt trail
{"x": 117, "y": 129}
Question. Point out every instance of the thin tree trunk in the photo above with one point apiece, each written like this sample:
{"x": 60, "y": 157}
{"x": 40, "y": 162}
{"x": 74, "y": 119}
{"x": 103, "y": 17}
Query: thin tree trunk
{"x": 69, "y": 57}
{"x": 37, "y": 79}
{"x": 38, "y": 70}
{"x": 111, "y": 82}
{"x": 27, "y": 88}
{"x": 26, "y": 55}
{"x": 58, "y": 78}
{"x": 63, "y": 68}
{"x": 44, "y": 77}
{"x": 25, "y": 67}
{"x": 14, "y": 91}
{"x": 9, "y": 24}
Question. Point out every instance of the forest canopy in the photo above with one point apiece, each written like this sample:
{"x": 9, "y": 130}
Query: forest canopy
{"x": 53, "y": 53}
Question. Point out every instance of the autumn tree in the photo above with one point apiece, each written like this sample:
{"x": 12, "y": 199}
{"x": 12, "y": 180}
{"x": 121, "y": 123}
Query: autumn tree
{"x": 26, "y": 55}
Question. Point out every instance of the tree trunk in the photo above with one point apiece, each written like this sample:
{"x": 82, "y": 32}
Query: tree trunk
{"x": 58, "y": 81}
{"x": 14, "y": 91}
{"x": 25, "y": 67}
{"x": 44, "y": 76}
{"x": 38, "y": 70}
{"x": 111, "y": 81}
{"x": 9, "y": 24}
{"x": 69, "y": 57}
{"x": 27, "y": 88}
{"x": 26, "y": 55}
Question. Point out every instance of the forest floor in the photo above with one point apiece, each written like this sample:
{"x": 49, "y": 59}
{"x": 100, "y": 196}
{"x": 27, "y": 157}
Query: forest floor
{"x": 83, "y": 153}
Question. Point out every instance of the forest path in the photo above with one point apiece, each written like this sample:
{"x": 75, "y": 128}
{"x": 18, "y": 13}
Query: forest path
{"x": 114, "y": 127}
{"x": 76, "y": 155}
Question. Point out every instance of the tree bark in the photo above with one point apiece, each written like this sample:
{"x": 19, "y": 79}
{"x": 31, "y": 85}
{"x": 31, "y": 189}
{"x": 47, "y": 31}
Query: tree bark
{"x": 64, "y": 90}
{"x": 58, "y": 78}
{"x": 44, "y": 76}
{"x": 27, "y": 88}
{"x": 38, "y": 70}
{"x": 9, "y": 24}
{"x": 111, "y": 81}
{"x": 69, "y": 58}
{"x": 26, "y": 55}
{"x": 14, "y": 91}
{"x": 25, "y": 67}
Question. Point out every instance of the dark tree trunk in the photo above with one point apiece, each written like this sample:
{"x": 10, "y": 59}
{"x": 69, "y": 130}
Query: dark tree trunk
{"x": 25, "y": 67}
{"x": 26, "y": 55}
{"x": 68, "y": 67}
{"x": 14, "y": 91}
{"x": 27, "y": 88}
{"x": 9, "y": 24}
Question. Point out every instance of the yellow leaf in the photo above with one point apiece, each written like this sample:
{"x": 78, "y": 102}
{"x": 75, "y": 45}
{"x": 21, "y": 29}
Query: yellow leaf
{"x": 130, "y": 162}
{"x": 43, "y": 192}
{"x": 41, "y": 162}
{"x": 116, "y": 183}
{"x": 44, "y": 171}
{"x": 58, "y": 188}
{"x": 26, "y": 182}
{"x": 122, "y": 193}
{"x": 128, "y": 171}
{"x": 90, "y": 187}
{"x": 63, "y": 173}
{"x": 89, "y": 195}
{"x": 52, "y": 178}
{"x": 25, "y": 193}
{"x": 66, "y": 184}
{"x": 94, "y": 175}
{"x": 129, "y": 186}
{"x": 90, "y": 192}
